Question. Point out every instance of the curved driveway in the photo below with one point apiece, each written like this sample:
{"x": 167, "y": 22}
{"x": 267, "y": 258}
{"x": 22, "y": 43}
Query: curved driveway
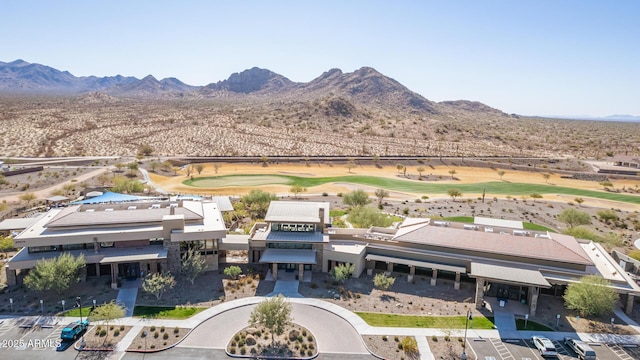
{"x": 333, "y": 333}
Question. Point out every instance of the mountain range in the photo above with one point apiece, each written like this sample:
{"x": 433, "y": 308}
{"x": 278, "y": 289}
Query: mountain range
{"x": 342, "y": 92}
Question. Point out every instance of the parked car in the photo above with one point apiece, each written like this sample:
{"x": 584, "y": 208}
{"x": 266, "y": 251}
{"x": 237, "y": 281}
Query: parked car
{"x": 584, "y": 351}
{"x": 73, "y": 330}
{"x": 545, "y": 346}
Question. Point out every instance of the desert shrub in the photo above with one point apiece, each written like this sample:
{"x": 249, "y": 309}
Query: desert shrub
{"x": 176, "y": 330}
{"x": 103, "y": 332}
{"x": 165, "y": 336}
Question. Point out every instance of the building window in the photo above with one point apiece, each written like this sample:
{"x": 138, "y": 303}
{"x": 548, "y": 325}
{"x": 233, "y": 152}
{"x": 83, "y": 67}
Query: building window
{"x": 290, "y": 245}
{"x": 106, "y": 244}
{"x": 73, "y": 247}
{"x": 293, "y": 227}
{"x": 39, "y": 249}
{"x": 156, "y": 241}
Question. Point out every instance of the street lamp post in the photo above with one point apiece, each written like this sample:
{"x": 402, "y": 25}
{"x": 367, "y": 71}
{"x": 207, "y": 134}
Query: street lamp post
{"x": 79, "y": 304}
{"x": 62, "y": 302}
{"x": 11, "y": 303}
{"x": 464, "y": 343}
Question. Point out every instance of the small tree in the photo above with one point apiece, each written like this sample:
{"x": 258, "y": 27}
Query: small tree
{"x": 273, "y": 313}
{"x": 107, "y": 313}
{"x": 297, "y": 189}
{"x": 350, "y": 165}
{"x": 257, "y": 202}
{"x": 607, "y": 216}
{"x": 193, "y": 264}
{"x": 188, "y": 170}
{"x": 381, "y": 194}
{"x": 57, "y": 274}
{"x": 145, "y": 150}
{"x": 28, "y": 197}
{"x": 409, "y": 346}
{"x": 546, "y": 177}
{"x": 452, "y": 172}
{"x": 573, "y": 217}
{"x": 119, "y": 167}
{"x": 233, "y": 271}
{"x": 365, "y": 216}
{"x": 6, "y": 244}
{"x": 264, "y": 160}
{"x": 382, "y": 281}
{"x": 592, "y": 296}
{"x": 158, "y": 283}
{"x": 606, "y": 184}
{"x": 342, "y": 272}
{"x": 376, "y": 160}
{"x": 154, "y": 166}
{"x": 216, "y": 167}
{"x": 400, "y": 167}
{"x": 454, "y": 193}
{"x": 420, "y": 170}
{"x": 501, "y": 174}
{"x": 357, "y": 197}
{"x": 535, "y": 196}
{"x": 199, "y": 168}
{"x": 579, "y": 201}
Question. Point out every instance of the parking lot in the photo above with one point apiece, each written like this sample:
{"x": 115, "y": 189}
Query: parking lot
{"x": 32, "y": 338}
{"x": 519, "y": 349}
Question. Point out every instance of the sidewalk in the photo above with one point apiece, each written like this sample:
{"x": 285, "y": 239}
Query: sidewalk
{"x": 356, "y": 322}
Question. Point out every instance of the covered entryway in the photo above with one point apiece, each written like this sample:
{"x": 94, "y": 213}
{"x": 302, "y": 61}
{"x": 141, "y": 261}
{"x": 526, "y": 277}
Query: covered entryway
{"x": 508, "y": 283}
{"x": 289, "y": 261}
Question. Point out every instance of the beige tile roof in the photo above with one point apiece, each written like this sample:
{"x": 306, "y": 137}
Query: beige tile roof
{"x": 561, "y": 248}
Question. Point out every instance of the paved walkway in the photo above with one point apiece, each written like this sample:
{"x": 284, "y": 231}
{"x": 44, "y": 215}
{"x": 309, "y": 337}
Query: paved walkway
{"x": 352, "y": 319}
{"x": 288, "y": 288}
{"x": 127, "y": 295}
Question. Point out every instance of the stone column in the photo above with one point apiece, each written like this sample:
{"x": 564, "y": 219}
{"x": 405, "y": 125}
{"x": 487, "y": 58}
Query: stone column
{"x": 434, "y": 277}
{"x": 98, "y": 269}
{"x": 300, "y": 272}
{"x": 533, "y": 300}
{"x": 114, "y": 276}
{"x": 412, "y": 272}
{"x": 12, "y": 278}
{"x": 274, "y": 271}
{"x": 629, "y": 306}
{"x": 389, "y": 268}
{"x": 479, "y": 292}
{"x": 456, "y": 285}
{"x": 369, "y": 271}
{"x": 96, "y": 246}
{"x": 83, "y": 274}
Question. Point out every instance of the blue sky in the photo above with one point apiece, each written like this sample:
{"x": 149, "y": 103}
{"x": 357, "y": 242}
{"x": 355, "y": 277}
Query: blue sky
{"x": 528, "y": 57}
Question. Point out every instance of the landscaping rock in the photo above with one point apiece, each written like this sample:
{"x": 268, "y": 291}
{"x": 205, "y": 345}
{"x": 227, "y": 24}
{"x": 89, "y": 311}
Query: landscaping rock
{"x": 250, "y": 340}
{"x": 293, "y": 335}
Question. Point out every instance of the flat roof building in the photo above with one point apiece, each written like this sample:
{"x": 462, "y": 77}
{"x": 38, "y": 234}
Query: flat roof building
{"x": 123, "y": 240}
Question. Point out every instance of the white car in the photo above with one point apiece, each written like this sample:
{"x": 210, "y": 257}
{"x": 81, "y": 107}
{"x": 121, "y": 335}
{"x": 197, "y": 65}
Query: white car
{"x": 545, "y": 346}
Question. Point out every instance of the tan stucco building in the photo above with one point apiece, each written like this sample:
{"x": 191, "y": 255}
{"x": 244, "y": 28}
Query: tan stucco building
{"x": 124, "y": 240}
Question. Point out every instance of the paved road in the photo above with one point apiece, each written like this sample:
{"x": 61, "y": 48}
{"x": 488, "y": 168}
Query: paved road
{"x": 333, "y": 333}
